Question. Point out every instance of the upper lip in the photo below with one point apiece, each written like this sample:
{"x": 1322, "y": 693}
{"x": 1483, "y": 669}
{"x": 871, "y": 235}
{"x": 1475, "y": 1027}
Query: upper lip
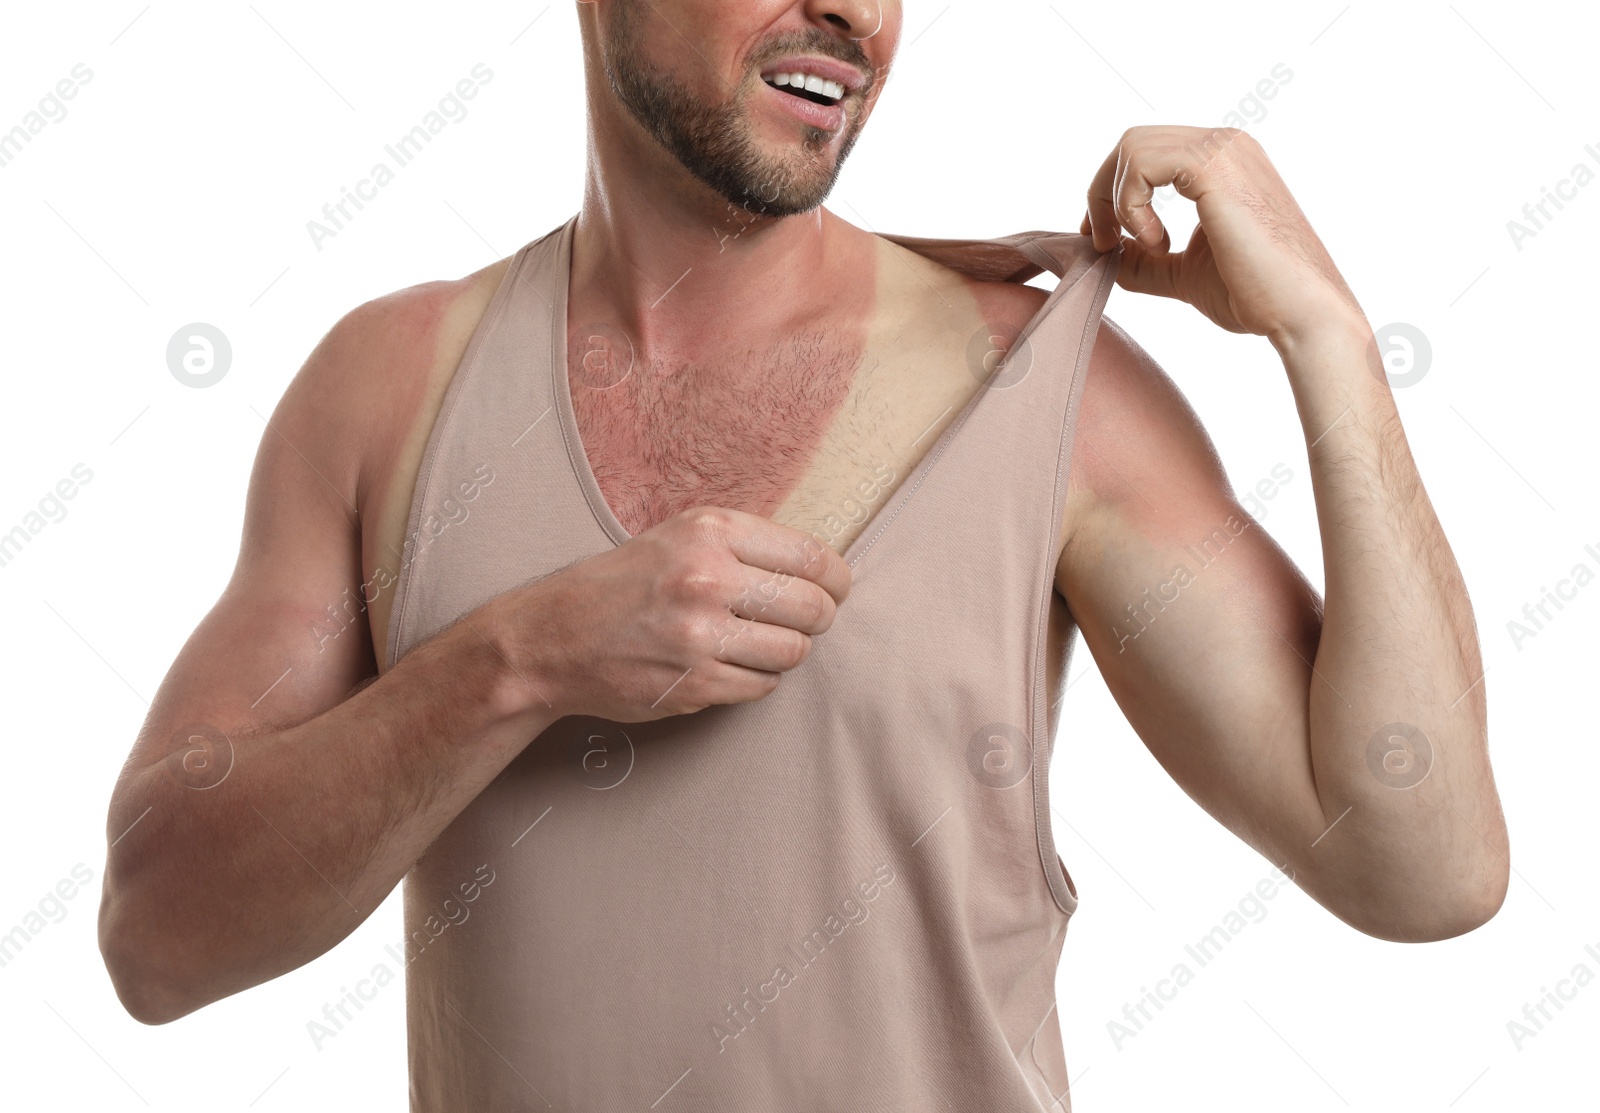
{"x": 828, "y": 69}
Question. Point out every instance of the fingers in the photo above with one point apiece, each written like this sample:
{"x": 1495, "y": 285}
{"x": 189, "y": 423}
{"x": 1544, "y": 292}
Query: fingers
{"x": 1120, "y": 196}
{"x": 740, "y": 684}
{"x": 1107, "y": 218}
{"x": 764, "y": 544}
{"x": 1145, "y": 159}
{"x": 1148, "y": 272}
{"x": 769, "y": 624}
{"x": 760, "y": 645}
{"x": 780, "y": 599}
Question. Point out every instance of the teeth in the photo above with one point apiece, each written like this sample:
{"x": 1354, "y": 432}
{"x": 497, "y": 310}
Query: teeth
{"x": 811, "y": 83}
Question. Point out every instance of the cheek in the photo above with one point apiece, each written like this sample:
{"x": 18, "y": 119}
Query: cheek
{"x": 889, "y": 19}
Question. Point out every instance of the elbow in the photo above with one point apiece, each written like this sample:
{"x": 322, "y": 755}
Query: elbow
{"x": 148, "y": 987}
{"x": 1441, "y": 913}
{"x": 143, "y": 1001}
{"x": 144, "y": 998}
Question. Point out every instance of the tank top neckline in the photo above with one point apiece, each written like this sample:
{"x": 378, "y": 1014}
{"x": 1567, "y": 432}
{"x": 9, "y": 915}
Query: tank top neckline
{"x": 877, "y": 523}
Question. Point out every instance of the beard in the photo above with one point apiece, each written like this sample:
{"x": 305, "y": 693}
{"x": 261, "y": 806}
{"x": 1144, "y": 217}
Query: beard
{"x": 715, "y": 142}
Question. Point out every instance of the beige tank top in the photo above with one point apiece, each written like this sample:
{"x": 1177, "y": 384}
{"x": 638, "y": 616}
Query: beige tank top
{"x": 844, "y": 897}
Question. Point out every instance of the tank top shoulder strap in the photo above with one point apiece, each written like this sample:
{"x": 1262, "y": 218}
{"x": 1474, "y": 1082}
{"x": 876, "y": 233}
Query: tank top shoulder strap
{"x": 973, "y": 546}
{"x": 494, "y": 455}
{"x": 1003, "y": 462}
{"x": 1014, "y": 258}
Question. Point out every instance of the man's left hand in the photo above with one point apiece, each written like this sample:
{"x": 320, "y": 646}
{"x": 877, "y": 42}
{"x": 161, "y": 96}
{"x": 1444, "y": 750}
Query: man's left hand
{"x": 1253, "y": 264}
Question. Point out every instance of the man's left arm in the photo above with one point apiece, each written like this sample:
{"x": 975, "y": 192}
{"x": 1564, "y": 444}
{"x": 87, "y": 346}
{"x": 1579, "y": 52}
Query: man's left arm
{"x": 1345, "y": 740}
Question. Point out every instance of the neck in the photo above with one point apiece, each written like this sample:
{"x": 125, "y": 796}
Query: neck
{"x": 684, "y": 272}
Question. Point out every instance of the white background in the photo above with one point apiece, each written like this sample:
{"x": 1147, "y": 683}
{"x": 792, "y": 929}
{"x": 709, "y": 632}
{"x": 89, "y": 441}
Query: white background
{"x": 178, "y": 188}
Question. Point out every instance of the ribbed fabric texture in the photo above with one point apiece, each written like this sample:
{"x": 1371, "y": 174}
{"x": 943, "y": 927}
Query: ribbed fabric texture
{"x": 844, "y": 897}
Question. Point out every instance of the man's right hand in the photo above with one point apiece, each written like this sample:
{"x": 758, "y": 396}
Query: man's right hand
{"x": 711, "y": 606}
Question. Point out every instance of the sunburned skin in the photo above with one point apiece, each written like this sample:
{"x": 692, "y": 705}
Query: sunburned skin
{"x": 660, "y": 441}
{"x": 798, "y": 367}
{"x": 814, "y": 428}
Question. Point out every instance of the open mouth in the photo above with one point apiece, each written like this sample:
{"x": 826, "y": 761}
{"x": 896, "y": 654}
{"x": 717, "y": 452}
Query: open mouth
{"x": 806, "y": 86}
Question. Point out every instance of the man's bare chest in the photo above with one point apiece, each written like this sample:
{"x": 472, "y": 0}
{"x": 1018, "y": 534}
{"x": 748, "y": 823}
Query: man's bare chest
{"x": 817, "y": 435}
{"x": 814, "y": 431}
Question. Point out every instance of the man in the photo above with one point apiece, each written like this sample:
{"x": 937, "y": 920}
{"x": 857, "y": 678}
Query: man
{"x": 716, "y": 627}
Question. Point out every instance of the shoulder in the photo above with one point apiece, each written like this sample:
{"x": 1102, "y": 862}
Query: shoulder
{"x": 382, "y": 370}
{"x": 1135, "y": 423}
{"x": 1141, "y": 457}
{"x": 1010, "y": 303}
{"x": 949, "y": 307}
{"x": 380, "y": 376}
{"x": 998, "y": 302}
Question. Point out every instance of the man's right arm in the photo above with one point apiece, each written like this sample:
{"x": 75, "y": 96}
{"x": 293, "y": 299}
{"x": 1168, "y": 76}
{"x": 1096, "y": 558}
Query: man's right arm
{"x": 236, "y": 861}
{"x": 232, "y": 865}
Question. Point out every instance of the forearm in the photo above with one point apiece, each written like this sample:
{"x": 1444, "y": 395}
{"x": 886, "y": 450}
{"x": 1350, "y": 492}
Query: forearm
{"x": 211, "y": 892}
{"x": 1416, "y": 842}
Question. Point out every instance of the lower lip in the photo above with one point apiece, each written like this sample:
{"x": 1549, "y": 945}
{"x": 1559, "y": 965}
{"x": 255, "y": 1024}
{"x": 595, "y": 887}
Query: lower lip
{"x": 828, "y": 117}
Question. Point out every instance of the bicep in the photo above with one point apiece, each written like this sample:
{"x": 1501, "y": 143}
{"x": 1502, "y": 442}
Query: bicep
{"x": 288, "y": 637}
{"x": 1201, "y": 625}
